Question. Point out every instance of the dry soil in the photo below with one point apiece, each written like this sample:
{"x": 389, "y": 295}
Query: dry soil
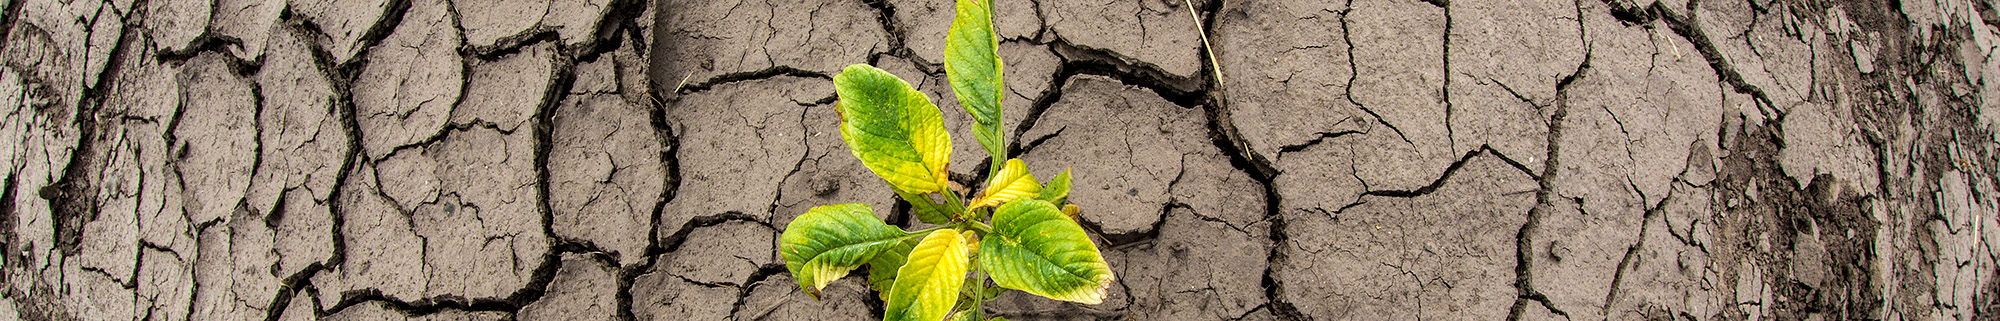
{"x": 1238, "y": 160}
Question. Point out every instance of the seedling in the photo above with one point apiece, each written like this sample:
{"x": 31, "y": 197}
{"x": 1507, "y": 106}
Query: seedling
{"x": 1031, "y": 243}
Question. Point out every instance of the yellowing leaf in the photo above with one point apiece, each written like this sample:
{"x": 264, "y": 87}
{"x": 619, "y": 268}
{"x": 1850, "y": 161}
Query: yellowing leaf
{"x": 893, "y": 129}
{"x": 828, "y": 241}
{"x": 1058, "y": 189}
{"x": 972, "y": 61}
{"x": 1037, "y": 249}
{"x": 927, "y": 286}
{"x": 882, "y": 270}
{"x": 1013, "y": 181}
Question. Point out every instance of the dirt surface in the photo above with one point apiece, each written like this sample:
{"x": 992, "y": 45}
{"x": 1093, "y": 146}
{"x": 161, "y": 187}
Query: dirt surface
{"x": 1320, "y": 160}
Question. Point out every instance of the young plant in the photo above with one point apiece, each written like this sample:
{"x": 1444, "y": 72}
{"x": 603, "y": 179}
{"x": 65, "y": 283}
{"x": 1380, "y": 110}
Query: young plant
{"x": 1030, "y": 243}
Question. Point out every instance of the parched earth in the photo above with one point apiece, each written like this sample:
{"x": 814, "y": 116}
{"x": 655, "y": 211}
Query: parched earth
{"x": 1239, "y": 160}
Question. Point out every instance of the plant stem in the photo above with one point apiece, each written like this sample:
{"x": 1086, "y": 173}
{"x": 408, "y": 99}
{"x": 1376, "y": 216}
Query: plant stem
{"x": 981, "y": 227}
{"x": 951, "y": 199}
{"x": 978, "y": 295}
{"x": 924, "y": 232}
{"x": 997, "y": 159}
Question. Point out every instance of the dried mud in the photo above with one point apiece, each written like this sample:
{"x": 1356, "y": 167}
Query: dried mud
{"x": 1238, "y": 160}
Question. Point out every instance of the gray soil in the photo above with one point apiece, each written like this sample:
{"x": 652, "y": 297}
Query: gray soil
{"x": 1326, "y": 160}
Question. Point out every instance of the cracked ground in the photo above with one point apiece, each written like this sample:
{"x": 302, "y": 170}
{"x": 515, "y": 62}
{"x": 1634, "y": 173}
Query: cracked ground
{"x": 1236, "y": 160}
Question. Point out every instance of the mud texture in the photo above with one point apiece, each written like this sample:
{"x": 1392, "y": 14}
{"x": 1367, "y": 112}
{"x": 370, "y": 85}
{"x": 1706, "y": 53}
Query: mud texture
{"x": 1237, "y": 159}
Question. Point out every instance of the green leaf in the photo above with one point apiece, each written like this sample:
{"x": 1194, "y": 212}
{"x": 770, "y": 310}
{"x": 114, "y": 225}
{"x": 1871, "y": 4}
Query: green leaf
{"x": 1037, "y": 249}
{"x": 926, "y": 210}
{"x": 1013, "y": 181}
{"x": 893, "y": 129}
{"x": 828, "y": 241}
{"x": 972, "y": 61}
{"x": 927, "y": 286}
{"x": 967, "y": 316}
{"x": 994, "y": 292}
{"x": 882, "y": 270}
{"x": 1057, "y": 190}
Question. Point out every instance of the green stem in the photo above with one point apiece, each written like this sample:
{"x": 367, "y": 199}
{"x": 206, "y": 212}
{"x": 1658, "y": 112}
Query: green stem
{"x": 997, "y": 160}
{"x": 923, "y": 232}
{"x": 996, "y": 152}
{"x": 981, "y": 227}
{"x": 978, "y": 295}
{"x": 951, "y": 199}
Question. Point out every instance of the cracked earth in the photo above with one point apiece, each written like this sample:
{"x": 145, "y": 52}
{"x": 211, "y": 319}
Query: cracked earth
{"x": 1315, "y": 160}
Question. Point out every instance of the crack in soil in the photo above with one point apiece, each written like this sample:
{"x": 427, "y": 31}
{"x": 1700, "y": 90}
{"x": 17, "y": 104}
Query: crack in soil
{"x": 72, "y": 195}
{"x": 1544, "y": 198}
{"x": 1685, "y": 27}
